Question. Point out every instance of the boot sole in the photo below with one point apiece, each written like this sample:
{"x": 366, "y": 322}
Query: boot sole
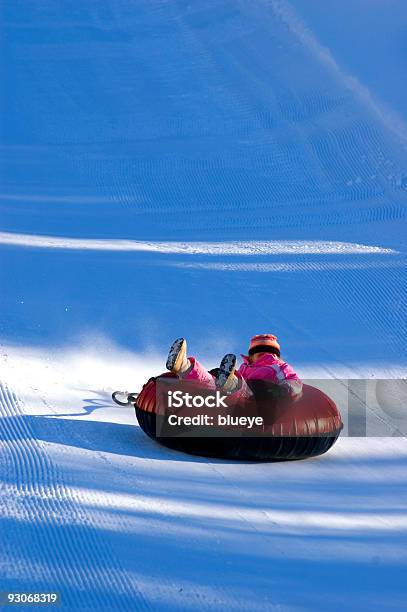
{"x": 226, "y": 370}
{"x": 176, "y": 355}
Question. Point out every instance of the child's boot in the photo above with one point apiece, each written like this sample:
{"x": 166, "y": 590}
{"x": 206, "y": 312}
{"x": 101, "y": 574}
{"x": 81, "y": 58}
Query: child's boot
{"x": 177, "y": 361}
{"x": 226, "y": 380}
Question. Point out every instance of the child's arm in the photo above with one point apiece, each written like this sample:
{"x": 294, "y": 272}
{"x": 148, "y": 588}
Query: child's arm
{"x": 290, "y": 379}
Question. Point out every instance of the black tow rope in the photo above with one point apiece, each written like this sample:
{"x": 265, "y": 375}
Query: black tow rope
{"x": 123, "y": 398}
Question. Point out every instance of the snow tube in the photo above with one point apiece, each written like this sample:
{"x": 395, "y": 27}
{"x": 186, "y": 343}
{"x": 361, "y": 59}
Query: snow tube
{"x": 299, "y": 428}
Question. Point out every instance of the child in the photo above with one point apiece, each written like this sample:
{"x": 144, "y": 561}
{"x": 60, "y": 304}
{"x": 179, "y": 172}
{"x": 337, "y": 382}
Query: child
{"x": 263, "y": 363}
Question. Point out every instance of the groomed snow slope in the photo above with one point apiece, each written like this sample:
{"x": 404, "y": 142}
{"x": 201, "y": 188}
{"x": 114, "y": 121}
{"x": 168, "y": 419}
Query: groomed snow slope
{"x": 211, "y": 169}
{"x": 93, "y": 508}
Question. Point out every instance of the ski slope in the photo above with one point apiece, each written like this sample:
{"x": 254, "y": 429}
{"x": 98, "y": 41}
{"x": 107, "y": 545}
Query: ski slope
{"x": 209, "y": 169}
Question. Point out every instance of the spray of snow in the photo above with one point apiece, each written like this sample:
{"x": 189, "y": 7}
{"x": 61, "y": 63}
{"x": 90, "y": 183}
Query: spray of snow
{"x": 97, "y": 365}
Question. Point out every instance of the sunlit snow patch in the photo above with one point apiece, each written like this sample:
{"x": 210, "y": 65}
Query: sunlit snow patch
{"x": 268, "y": 247}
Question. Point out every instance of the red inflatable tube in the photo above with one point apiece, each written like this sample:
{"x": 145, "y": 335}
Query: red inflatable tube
{"x": 295, "y": 428}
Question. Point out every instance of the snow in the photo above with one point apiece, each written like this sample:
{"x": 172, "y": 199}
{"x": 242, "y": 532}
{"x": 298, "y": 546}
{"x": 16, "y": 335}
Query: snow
{"x": 210, "y": 170}
{"x": 193, "y": 248}
{"x": 94, "y": 509}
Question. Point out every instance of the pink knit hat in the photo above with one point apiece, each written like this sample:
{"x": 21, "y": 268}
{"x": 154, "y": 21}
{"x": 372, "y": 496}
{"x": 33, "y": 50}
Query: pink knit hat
{"x": 260, "y": 340}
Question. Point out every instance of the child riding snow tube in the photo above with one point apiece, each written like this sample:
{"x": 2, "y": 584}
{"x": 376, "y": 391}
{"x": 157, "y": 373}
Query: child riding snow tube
{"x": 265, "y": 412}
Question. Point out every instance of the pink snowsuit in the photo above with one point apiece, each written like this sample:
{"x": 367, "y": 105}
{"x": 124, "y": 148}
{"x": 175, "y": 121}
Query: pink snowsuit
{"x": 267, "y": 367}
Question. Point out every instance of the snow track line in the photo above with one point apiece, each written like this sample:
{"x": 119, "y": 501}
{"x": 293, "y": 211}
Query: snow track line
{"x": 33, "y": 475}
{"x": 70, "y": 550}
{"x": 386, "y": 116}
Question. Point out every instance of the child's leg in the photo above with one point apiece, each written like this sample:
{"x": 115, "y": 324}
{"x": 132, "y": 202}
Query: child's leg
{"x": 204, "y": 379}
{"x": 198, "y": 373}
